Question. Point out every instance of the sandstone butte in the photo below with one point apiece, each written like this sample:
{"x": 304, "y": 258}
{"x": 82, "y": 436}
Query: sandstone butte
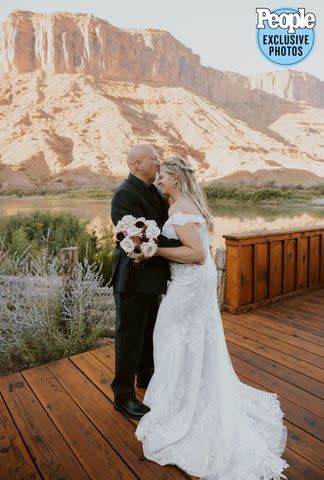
{"x": 76, "y": 92}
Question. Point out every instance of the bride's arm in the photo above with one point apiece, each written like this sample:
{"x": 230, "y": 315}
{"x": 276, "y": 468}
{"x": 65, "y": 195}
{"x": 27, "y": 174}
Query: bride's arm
{"x": 191, "y": 251}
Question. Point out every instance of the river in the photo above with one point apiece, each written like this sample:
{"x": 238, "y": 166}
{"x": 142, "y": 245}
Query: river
{"x": 229, "y": 218}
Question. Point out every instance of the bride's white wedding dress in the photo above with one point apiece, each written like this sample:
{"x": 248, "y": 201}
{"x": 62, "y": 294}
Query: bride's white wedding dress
{"x": 202, "y": 418}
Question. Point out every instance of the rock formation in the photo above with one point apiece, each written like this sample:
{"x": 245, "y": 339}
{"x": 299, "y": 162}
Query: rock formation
{"x": 80, "y": 43}
{"x": 76, "y": 92}
{"x": 291, "y": 85}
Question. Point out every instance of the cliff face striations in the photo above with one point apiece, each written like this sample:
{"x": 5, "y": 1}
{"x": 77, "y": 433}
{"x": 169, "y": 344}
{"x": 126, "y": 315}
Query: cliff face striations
{"x": 291, "y": 85}
{"x": 80, "y": 43}
{"x": 76, "y": 92}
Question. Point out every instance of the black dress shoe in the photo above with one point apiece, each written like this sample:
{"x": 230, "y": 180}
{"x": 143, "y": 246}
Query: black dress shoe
{"x": 131, "y": 408}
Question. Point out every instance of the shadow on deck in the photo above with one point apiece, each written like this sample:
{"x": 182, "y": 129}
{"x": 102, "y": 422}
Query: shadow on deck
{"x": 57, "y": 421}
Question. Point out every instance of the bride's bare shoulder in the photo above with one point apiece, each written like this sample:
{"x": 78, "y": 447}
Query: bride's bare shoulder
{"x": 183, "y": 205}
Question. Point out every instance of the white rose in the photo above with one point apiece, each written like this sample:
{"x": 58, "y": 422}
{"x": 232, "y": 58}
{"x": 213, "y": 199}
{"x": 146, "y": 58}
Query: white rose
{"x": 127, "y": 245}
{"x": 149, "y": 248}
{"x": 150, "y": 223}
{"x": 134, "y": 231}
{"x": 126, "y": 222}
{"x": 119, "y": 227}
{"x": 152, "y": 231}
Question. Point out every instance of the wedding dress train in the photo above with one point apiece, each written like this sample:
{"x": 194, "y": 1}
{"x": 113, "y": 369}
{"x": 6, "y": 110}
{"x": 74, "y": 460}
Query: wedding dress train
{"x": 203, "y": 418}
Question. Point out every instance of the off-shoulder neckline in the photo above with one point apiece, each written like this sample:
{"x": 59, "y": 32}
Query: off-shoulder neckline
{"x": 187, "y": 215}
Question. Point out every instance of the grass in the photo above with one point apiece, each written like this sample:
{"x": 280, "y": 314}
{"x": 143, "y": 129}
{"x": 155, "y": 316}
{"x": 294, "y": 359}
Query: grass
{"x": 86, "y": 194}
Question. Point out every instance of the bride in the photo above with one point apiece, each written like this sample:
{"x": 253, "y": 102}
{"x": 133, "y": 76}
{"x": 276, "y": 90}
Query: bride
{"x": 202, "y": 418}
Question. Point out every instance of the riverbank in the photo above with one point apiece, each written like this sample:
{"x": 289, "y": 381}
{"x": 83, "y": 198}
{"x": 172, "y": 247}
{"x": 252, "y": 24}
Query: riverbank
{"x": 79, "y": 194}
{"x": 215, "y": 190}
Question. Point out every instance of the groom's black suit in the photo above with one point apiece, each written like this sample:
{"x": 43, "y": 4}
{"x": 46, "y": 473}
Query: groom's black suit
{"x": 137, "y": 291}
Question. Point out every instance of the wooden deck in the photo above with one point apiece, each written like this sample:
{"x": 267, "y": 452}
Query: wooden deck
{"x": 58, "y": 422}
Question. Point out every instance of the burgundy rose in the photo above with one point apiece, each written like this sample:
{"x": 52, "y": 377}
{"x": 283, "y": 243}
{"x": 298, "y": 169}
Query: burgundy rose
{"x": 137, "y": 240}
{"x": 137, "y": 250}
{"x": 145, "y": 239}
{"x": 139, "y": 224}
{"x": 120, "y": 236}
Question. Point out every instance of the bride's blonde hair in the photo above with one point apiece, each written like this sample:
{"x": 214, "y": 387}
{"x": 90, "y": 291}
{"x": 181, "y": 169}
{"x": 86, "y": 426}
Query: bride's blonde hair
{"x": 188, "y": 185}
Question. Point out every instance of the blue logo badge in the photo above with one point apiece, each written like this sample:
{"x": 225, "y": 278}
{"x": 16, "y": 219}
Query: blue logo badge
{"x": 285, "y": 36}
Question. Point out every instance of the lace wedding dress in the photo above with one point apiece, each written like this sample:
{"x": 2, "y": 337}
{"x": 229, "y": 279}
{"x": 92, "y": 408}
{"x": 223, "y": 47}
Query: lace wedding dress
{"x": 202, "y": 418}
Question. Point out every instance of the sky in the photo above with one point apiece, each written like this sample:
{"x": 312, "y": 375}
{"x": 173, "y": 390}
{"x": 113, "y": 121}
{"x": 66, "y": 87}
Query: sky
{"x": 222, "y": 33}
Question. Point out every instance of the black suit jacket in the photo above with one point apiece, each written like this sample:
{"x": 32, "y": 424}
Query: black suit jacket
{"x": 133, "y": 197}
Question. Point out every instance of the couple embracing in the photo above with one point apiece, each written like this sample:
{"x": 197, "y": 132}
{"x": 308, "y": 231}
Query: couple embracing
{"x": 195, "y": 413}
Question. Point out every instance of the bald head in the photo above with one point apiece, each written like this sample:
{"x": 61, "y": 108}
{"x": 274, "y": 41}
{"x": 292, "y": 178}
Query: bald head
{"x": 137, "y": 152}
{"x": 143, "y": 162}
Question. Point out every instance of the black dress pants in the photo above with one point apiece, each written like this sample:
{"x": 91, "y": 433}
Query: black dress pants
{"x": 135, "y": 319}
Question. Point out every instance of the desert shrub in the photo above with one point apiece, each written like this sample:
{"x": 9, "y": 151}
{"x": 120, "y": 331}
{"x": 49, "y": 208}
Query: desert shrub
{"x": 272, "y": 194}
{"x": 249, "y": 193}
{"x": 55, "y": 230}
{"x": 44, "y": 317}
{"x": 104, "y": 254}
{"x": 58, "y": 229}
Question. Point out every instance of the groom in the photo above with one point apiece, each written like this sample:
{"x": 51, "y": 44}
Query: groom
{"x": 137, "y": 291}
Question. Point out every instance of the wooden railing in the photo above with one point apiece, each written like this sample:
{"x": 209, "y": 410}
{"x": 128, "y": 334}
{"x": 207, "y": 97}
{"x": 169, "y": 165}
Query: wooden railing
{"x": 268, "y": 266}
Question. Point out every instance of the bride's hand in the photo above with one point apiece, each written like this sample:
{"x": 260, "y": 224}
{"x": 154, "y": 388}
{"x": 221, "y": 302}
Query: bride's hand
{"x": 202, "y": 262}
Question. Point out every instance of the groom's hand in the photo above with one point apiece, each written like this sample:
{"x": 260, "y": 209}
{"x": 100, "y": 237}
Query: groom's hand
{"x": 165, "y": 242}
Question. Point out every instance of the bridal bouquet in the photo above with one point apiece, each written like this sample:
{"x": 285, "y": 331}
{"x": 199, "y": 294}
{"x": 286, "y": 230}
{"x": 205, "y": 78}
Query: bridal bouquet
{"x": 137, "y": 237}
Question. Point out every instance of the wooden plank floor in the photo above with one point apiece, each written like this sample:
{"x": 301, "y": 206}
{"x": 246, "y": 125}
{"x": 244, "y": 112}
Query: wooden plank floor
{"x": 57, "y": 421}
